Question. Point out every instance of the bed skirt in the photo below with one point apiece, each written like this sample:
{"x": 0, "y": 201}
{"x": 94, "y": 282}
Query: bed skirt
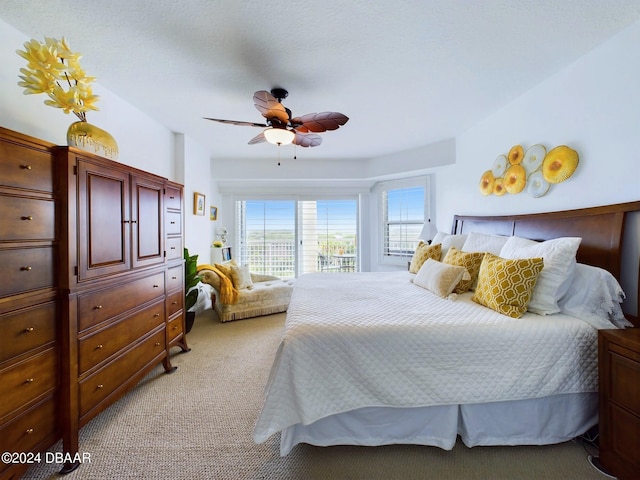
{"x": 540, "y": 421}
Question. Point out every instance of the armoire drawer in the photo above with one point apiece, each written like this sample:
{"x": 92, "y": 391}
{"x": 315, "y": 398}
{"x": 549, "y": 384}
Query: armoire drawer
{"x": 26, "y": 431}
{"x": 100, "y": 345}
{"x": 26, "y": 218}
{"x": 26, "y": 380}
{"x": 173, "y": 223}
{"x": 26, "y": 269}
{"x": 175, "y": 302}
{"x": 27, "y": 168}
{"x": 174, "y": 277}
{"x": 174, "y": 328}
{"x": 98, "y": 306}
{"x": 108, "y": 379}
{"x": 27, "y": 329}
{"x": 174, "y": 248}
{"x": 173, "y": 198}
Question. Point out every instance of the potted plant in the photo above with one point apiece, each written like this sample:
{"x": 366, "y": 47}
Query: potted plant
{"x": 190, "y": 288}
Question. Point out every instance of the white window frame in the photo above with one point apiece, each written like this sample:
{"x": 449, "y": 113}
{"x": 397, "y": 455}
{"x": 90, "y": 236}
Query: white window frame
{"x": 382, "y": 187}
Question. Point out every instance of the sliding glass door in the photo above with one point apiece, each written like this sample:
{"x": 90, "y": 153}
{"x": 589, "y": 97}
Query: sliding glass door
{"x": 287, "y": 238}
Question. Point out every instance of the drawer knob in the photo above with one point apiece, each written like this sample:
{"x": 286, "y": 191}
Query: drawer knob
{"x": 28, "y": 217}
{"x": 157, "y": 344}
{"x": 173, "y": 248}
{"x": 174, "y": 303}
{"x": 29, "y": 431}
{"x": 172, "y": 223}
{"x": 26, "y": 269}
{"x": 29, "y": 380}
{"x": 175, "y": 327}
{"x": 100, "y": 386}
{"x": 99, "y": 347}
{"x": 157, "y": 315}
{"x": 25, "y": 167}
{"x": 98, "y": 307}
{"x": 171, "y": 197}
{"x": 28, "y": 330}
{"x": 174, "y": 278}
{"x": 156, "y": 286}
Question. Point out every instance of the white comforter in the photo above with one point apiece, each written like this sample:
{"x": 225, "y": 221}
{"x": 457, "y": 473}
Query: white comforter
{"x": 376, "y": 339}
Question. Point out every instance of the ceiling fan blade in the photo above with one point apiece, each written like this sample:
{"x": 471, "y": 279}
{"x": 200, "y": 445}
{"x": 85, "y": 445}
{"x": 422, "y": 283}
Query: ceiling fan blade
{"x": 319, "y": 122}
{"x": 235, "y": 122}
{"x": 270, "y": 107}
{"x": 258, "y": 139}
{"x": 307, "y": 139}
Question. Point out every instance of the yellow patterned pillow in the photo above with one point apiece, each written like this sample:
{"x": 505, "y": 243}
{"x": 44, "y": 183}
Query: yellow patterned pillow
{"x": 423, "y": 252}
{"x": 506, "y": 285}
{"x": 469, "y": 260}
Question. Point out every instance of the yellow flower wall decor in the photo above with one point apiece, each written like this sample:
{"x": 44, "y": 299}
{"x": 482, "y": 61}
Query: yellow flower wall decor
{"x": 533, "y": 170}
{"x": 53, "y": 69}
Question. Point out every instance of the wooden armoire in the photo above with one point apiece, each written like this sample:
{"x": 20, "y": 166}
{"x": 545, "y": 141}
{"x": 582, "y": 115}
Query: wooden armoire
{"x": 107, "y": 304}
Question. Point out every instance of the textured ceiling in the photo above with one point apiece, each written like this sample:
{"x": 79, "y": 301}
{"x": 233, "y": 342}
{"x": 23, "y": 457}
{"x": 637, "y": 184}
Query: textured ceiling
{"x": 407, "y": 73}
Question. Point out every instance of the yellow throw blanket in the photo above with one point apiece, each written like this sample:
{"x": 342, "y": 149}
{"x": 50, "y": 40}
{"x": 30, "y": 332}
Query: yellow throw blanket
{"x": 228, "y": 294}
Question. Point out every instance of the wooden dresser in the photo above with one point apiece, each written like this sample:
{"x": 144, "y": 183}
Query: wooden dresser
{"x": 29, "y": 320}
{"x": 91, "y": 291}
{"x": 619, "y": 373}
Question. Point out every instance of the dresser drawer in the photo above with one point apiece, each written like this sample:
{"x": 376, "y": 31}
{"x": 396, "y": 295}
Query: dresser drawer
{"x": 26, "y": 219}
{"x": 99, "y": 346}
{"x": 24, "y": 433}
{"x": 175, "y": 302}
{"x": 174, "y": 328}
{"x": 175, "y": 277}
{"x": 26, "y": 380}
{"x": 27, "y": 329}
{"x": 101, "y": 305}
{"x": 174, "y": 248}
{"x": 173, "y": 223}
{"x": 25, "y": 269}
{"x": 173, "y": 198}
{"x": 105, "y": 381}
{"x": 28, "y": 168}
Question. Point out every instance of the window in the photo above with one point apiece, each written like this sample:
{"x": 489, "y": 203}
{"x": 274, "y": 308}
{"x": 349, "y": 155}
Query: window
{"x": 287, "y": 238}
{"x": 403, "y": 216}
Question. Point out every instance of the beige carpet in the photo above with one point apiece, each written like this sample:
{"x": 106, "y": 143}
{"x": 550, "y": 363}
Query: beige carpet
{"x": 197, "y": 424}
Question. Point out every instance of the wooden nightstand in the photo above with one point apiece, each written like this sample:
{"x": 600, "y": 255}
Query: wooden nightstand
{"x": 619, "y": 373}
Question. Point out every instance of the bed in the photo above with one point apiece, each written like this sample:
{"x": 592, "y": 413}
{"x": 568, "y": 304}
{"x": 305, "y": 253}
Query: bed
{"x": 375, "y": 359}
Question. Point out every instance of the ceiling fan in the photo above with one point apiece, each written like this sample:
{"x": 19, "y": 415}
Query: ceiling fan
{"x": 281, "y": 128}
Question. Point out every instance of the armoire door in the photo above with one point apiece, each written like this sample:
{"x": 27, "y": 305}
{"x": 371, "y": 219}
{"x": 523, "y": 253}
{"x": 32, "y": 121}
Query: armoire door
{"x": 104, "y": 221}
{"x": 147, "y": 221}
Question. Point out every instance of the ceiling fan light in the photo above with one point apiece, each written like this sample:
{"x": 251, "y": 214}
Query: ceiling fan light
{"x": 279, "y": 136}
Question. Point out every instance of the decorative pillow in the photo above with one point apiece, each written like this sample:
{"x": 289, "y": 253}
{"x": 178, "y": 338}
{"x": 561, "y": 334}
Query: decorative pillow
{"x": 438, "y": 277}
{"x": 481, "y": 242}
{"x": 241, "y": 277}
{"x": 470, "y": 261}
{"x": 226, "y": 268}
{"x": 506, "y": 285}
{"x": 449, "y": 241}
{"x": 422, "y": 253}
{"x": 596, "y": 297}
{"x": 559, "y": 257}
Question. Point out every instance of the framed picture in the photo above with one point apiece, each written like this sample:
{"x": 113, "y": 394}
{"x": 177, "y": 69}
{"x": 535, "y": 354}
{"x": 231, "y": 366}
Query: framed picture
{"x": 198, "y": 203}
{"x": 213, "y": 213}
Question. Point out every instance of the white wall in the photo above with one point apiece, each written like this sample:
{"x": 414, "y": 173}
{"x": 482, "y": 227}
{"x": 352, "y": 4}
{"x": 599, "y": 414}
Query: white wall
{"x": 593, "y": 106}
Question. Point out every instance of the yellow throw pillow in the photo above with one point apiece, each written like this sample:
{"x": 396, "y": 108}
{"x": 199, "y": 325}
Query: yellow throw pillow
{"x": 506, "y": 285}
{"x": 226, "y": 268}
{"x": 469, "y": 260}
{"x": 423, "y": 252}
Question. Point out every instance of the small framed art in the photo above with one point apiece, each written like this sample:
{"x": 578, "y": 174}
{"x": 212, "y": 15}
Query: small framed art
{"x": 213, "y": 213}
{"x": 198, "y": 203}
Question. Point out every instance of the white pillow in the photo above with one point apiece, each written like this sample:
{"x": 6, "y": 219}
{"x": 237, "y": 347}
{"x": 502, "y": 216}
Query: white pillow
{"x": 241, "y": 277}
{"x": 481, "y": 242}
{"x": 595, "y": 296}
{"x": 440, "y": 278}
{"x": 559, "y": 256}
{"x": 448, "y": 241}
